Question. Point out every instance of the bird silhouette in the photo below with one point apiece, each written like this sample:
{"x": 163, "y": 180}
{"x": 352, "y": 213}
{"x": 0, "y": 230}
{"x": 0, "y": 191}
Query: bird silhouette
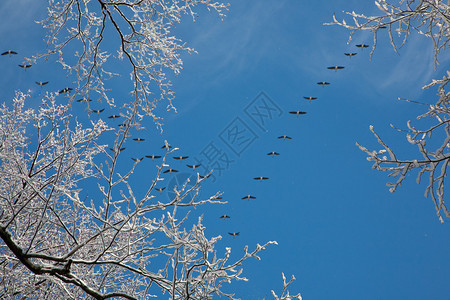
{"x": 180, "y": 158}
{"x": 113, "y": 117}
{"x": 362, "y": 46}
{"x": 248, "y": 197}
{"x": 25, "y": 67}
{"x": 170, "y": 171}
{"x": 261, "y": 178}
{"x": 121, "y": 149}
{"x": 310, "y": 98}
{"x": 139, "y": 140}
{"x": 160, "y": 189}
{"x": 202, "y": 177}
{"x": 65, "y": 90}
{"x": 225, "y": 217}
{"x": 84, "y": 100}
{"x": 233, "y": 234}
{"x": 137, "y": 159}
{"x": 166, "y": 146}
{"x": 40, "y": 83}
{"x": 323, "y": 83}
{"x": 273, "y": 153}
{"x": 152, "y": 157}
{"x": 350, "y": 54}
{"x": 9, "y": 52}
{"x": 297, "y": 113}
{"x": 97, "y": 111}
{"x": 193, "y": 167}
{"x": 284, "y": 137}
{"x": 335, "y": 68}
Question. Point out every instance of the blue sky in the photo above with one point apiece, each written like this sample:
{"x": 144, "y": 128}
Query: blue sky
{"x": 340, "y": 231}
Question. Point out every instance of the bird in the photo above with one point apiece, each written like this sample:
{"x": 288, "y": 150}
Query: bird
{"x": 323, "y": 83}
{"x": 113, "y": 117}
{"x": 40, "y": 83}
{"x": 25, "y": 67}
{"x": 160, "y": 189}
{"x": 65, "y": 90}
{"x": 193, "y": 167}
{"x": 273, "y": 153}
{"x": 233, "y": 234}
{"x": 153, "y": 156}
{"x": 284, "y": 137}
{"x": 84, "y": 100}
{"x": 166, "y": 146}
{"x": 180, "y": 158}
{"x": 310, "y": 98}
{"x": 121, "y": 149}
{"x": 139, "y": 140}
{"x": 297, "y": 113}
{"x": 248, "y": 197}
{"x": 225, "y": 217}
{"x": 362, "y": 46}
{"x": 122, "y": 125}
{"x": 137, "y": 159}
{"x": 170, "y": 171}
{"x": 335, "y": 68}
{"x": 261, "y": 178}
{"x": 97, "y": 111}
{"x": 350, "y": 54}
{"x": 202, "y": 177}
{"x": 382, "y": 27}
{"x": 9, "y": 52}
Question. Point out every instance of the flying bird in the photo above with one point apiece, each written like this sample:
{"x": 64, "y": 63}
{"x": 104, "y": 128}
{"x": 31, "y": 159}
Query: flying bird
{"x": 152, "y": 157}
{"x": 297, "y": 113}
{"x": 248, "y": 197}
{"x": 350, "y": 54}
{"x": 206, "y": 176}
{"x": 121, "y": 149}
{"x": 25, "y": 67}
{"x": 170, "y": 171}
{"x": 225, "y": 217}
{"x": 273, "y": 153}
{"x": 284, "y": 137}
{"x": 137, "y": 159}
{"x": 9, "y": 52}
{"x": 113, "y": 117}
{"x": 84, "y": 100}
{"x": 139, "y": 140}
{"x": 97, "y": 111}
{"x": 193, "y": 167}
{"x": 233, "y": 234}
{"x": 40, "y": 83}
{"x": 362, "y": 46}
{"x": 323, "y": 83}
{"x": 180, "y": 158}
{"x": 65, "y": 90}
{"x": 166, "y": 146}
{"x": 160, "y": 189}
{"x": 261, "y": 178}
{"x": 335, "y": 68}
{"x": 310, "y": 98}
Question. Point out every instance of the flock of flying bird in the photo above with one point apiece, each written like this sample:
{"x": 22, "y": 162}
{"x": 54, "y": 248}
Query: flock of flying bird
{"x": 297, "y": 113}
{"x": 167, "y": 146}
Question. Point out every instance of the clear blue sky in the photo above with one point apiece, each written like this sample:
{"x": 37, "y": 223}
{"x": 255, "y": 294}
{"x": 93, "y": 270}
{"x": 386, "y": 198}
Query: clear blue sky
{"x": 340, "y": 231}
